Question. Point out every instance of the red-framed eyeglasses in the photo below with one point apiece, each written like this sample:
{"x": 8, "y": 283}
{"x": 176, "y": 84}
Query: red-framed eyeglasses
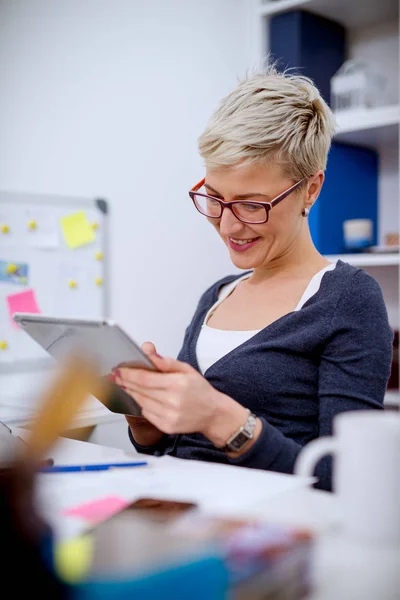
{"x": 247, "y": 211}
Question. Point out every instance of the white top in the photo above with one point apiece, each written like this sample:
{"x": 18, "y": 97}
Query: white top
{"x": 213, "y": 344}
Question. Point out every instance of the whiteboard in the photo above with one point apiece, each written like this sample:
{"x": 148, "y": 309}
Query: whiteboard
{"x": 41, "y": 237}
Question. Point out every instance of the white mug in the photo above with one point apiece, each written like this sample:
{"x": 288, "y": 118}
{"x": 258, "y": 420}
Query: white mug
{"x": 366, "y": 472}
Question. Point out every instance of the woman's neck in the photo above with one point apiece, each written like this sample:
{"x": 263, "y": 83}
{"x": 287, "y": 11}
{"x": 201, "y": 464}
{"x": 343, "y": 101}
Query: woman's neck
{"x": 301, "y": 259}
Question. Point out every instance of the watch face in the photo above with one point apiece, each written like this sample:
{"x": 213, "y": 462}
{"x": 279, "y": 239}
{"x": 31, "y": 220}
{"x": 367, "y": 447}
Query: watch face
{"x": 239, "y": 441}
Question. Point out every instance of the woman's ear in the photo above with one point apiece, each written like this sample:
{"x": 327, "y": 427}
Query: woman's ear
{"x": 314, "y": 188}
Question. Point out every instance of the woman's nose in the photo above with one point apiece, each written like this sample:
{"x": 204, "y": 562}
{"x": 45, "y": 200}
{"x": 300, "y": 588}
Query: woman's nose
{"x": 228, "y": 223}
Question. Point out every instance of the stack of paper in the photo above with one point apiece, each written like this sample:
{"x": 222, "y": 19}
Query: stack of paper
{"x": 215, "y": 489}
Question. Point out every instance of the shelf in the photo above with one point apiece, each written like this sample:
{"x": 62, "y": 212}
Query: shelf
{"x": 392, "y": 399}
{"x": 369, "y": 127}
{"x": 367, "y": 259}
{"x": 350, "y": 13}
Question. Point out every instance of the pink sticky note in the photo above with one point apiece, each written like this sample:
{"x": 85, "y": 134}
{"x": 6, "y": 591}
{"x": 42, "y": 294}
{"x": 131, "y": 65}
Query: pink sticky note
{"x": 97, "y": 510}
{"x": 22, "y": 302}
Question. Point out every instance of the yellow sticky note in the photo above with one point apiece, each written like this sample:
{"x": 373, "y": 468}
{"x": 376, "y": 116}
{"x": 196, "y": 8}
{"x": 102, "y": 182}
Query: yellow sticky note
{"x": 73, "y": 558}
{"x": 77, "y": 230}
{"x": 3, "y": 345}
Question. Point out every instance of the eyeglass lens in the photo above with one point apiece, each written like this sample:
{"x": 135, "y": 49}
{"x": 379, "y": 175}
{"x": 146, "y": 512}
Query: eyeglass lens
{"x": 253, "y": 213}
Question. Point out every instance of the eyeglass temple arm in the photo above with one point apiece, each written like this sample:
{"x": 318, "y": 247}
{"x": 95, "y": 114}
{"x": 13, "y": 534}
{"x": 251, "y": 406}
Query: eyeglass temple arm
{"x": 289, "y": 191}
{"x": 198, "y": 185}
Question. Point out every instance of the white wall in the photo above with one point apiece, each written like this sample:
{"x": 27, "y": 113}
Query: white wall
{"x": 106, "y": 98}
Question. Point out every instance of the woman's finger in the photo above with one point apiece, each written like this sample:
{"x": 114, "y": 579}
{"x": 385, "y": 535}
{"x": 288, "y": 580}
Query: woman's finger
{"x": 149, "y": 348}
{"x": 159, "y": 420}
{"x": 153, "y": 411}
{"x": 170, "y": 365}
{"x": 161, "y": 397}
{"x": 148, "y": 405}
{"x": 144, "y": 378}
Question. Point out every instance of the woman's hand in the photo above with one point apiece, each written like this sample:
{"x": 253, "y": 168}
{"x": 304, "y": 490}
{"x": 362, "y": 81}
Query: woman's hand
{"x": 178, "y": 399}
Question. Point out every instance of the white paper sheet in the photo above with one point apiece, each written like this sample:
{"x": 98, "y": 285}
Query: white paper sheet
{"x": 216, "y": 489}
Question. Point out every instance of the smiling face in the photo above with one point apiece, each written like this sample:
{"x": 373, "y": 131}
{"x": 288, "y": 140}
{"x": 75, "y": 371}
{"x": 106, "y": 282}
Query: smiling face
{"x": 270, "y": 119}
{"x": 255, "y": 245}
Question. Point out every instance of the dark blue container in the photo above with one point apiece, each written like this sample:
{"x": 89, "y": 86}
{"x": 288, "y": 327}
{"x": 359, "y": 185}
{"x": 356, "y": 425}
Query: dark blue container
{"x": 310, "y": 44}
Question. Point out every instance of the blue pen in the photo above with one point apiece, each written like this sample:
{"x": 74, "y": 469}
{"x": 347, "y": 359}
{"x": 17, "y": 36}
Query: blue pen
{"x": 82, "y": 468}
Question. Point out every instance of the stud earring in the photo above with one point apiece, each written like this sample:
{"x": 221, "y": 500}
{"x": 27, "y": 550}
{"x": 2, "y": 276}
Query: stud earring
{"x": 305, "y": 212}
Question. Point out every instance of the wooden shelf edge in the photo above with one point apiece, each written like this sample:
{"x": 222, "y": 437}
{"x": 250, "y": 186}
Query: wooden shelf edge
{"x": 373, "y": 118}
{"x": 392, "y": 398}
{"x": 367, "y": 259}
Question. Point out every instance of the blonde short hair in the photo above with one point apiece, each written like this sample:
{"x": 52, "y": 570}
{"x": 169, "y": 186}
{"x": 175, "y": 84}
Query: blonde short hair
{"x": 271, "y": 116}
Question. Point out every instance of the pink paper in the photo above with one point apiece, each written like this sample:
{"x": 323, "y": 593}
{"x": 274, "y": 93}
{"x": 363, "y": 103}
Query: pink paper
{"x": 22, "y": 302}
{"x": 97, "y": 510}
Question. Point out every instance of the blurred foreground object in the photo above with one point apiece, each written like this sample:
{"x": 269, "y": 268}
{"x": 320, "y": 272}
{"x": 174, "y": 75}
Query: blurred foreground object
{"x": 26, "y": 540}
{"x": 10, "y": 445}
{"x": 151, "y": 551}
{"x": 265, "y": 561}
{"x": 76, "y": 379}
{"x": 238, "y": 559}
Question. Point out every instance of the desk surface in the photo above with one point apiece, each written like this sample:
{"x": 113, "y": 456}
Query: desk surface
{"x": 342, "y": 569}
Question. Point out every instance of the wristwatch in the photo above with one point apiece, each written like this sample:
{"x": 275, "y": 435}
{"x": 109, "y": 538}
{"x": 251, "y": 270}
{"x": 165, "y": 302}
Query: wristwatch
{"x": 240, "y": 438}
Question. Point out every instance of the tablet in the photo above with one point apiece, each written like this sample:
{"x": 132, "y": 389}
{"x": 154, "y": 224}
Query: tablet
{"x": 109, "y": 345}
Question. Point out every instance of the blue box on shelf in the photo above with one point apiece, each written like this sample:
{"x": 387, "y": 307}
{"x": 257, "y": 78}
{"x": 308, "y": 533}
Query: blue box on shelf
{"x": 311, "y": 45}
{"x": 350, "y": 191}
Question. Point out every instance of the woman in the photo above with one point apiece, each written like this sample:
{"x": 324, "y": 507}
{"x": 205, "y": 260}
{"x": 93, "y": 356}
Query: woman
{"x": 270, "y": 356}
